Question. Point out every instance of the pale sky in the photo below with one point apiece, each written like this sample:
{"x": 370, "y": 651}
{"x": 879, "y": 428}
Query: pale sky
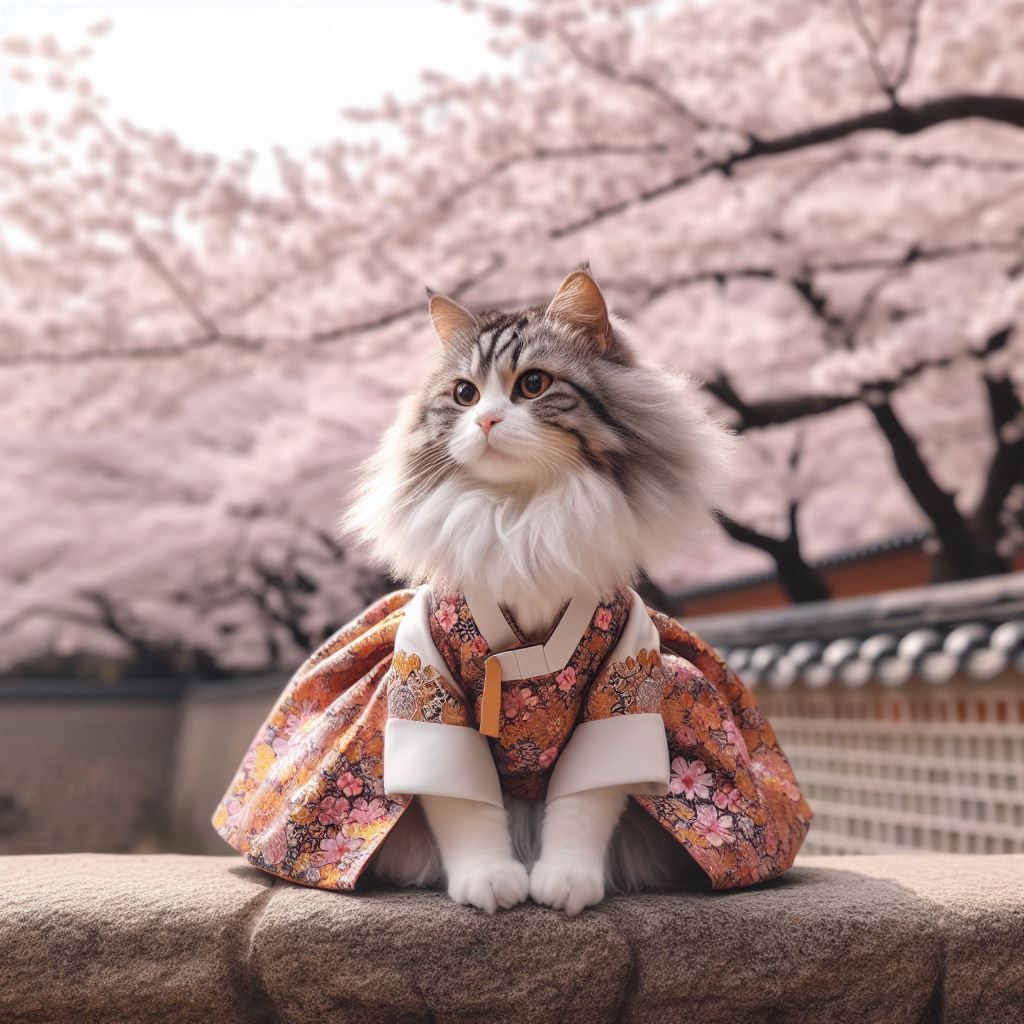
{"x": 233, "y": 75}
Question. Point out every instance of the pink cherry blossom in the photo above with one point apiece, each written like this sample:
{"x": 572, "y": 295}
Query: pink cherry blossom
{"x": 713, "y": 827}
{"x": 735, "y": 738}
{"x": 298, "y": 717}
{"x": 447, "y": 615}
{"x": 519, "y": 701}
{"x": 691, "y": 778}
{"x": 334, "y": 849}
{"x": 547, "y": 757}
{"x": 366, "y": 811}
{"x": 172, "y": 490}
{"x": 333, "y": 810}
{"x": 566, "y": 679}
{"x": 685, "y": 736}
{"x": 727, "y": 799}
{"x": 350, "y": 784}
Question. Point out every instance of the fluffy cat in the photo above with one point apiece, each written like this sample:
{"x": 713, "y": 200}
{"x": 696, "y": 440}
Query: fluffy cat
{"x": 537, "y": 455}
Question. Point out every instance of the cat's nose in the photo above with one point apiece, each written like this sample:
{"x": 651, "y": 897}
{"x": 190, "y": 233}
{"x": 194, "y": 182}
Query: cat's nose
{"x": 486, "y": 421}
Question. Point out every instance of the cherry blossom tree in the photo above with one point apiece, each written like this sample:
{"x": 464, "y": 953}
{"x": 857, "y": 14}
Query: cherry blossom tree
{"x": 816, "y": 209}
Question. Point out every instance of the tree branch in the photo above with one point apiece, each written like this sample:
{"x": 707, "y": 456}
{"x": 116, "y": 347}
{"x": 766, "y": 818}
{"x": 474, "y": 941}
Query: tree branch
{"x": 800, "y": 581}
{"x": 871, "y": 46}
{"x": 910, "y": 49}
{"x": 641, "y": 82}
{"x": 203, "y": 341}
{"x": 898, "y": 120}
{"x": 149, "y": 256}
{"x": 774, "y": 412}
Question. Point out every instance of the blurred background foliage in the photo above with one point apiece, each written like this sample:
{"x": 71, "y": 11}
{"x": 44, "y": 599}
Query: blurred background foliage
{"x": 817, "y": 209}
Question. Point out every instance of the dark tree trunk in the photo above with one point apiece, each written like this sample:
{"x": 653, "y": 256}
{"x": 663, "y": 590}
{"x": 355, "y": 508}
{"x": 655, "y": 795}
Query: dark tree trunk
{"x": 801, "y": 581}
{"x": 969, "y": 544}
{"x": 956, "y": 559}
{"x": 1006, "y": 471}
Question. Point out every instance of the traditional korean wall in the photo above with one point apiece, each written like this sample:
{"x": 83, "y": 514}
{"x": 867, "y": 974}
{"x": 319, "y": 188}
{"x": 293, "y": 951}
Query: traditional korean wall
{"x": 135, "y": 767}
{"x": 218, "y": 723}
{"x": 917, "y": 767}
{"x": 85, "y": 767}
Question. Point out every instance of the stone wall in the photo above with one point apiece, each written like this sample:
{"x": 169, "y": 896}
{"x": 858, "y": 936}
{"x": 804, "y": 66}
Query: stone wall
{"x": 136, "y": 766}
{"x": 217, "y": 725}
{"x": 84, "y": 767}
{"x": 851, "y": 940}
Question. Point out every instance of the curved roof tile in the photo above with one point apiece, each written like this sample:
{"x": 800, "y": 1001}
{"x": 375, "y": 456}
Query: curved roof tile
{"x": 974, "y": 628}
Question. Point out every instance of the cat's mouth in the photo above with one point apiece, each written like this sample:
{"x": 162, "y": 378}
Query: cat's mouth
{"x": 495, "y": 453}
{"x": 499, "y": 466}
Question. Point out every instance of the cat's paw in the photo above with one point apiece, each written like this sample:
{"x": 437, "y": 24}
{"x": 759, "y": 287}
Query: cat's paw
{"x": 567, "y": 885}
{"x": 489, "y": 886}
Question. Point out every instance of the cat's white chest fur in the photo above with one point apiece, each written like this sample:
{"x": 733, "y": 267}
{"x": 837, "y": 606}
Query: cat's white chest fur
{"x": 535, "y": 613}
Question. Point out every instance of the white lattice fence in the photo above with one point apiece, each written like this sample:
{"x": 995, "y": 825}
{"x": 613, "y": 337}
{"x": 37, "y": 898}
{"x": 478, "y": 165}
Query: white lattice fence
{"x": 926, "y": 768}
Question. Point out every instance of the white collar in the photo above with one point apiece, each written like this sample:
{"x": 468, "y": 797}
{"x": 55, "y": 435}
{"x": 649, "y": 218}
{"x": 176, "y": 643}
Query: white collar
{"x": 536, "y": 659}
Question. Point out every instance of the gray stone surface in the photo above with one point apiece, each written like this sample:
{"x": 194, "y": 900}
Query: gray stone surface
{"x": 104, "y": 938}
{"x": 915, "y": 939}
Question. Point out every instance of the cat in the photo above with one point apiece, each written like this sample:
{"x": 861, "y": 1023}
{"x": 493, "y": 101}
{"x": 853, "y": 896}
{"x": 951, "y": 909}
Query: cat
{"x": 538, "y": 454}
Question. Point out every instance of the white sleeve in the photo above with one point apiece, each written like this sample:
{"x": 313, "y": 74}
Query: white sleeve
{"x": 433, "y": 758}
{"x": 622, "y": 750}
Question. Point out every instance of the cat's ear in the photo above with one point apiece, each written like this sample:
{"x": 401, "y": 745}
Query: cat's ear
{"x": 450, "y": 320}
{"x": 579, "y": 302}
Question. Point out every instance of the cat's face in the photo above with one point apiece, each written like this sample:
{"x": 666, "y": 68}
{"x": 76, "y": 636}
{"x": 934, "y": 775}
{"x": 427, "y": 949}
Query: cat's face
{"x": 516, "y": 406}
{"x": 539, "y": 454}
{"x": 516, "y": 399}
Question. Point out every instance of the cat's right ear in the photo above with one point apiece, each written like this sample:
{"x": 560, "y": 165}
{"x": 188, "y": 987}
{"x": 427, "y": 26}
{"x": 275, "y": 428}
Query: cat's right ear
{"x": 451, "y": 322}
{"x": 580, "y": 304}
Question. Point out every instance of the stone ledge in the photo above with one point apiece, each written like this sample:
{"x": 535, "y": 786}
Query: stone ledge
{"x": 912, "y": 939}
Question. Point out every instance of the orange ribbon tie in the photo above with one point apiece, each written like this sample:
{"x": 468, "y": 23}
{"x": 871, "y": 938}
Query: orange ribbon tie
{"x": 490, "y": 706}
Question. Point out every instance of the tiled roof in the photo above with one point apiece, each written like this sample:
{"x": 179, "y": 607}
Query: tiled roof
{"x": 974, "y": 628}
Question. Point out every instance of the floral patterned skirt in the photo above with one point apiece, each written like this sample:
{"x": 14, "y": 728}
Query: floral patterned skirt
{"x": 308, "y": 801}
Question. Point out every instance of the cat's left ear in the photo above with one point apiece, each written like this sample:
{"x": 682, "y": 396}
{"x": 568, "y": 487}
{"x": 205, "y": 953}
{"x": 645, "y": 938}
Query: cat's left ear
{"x": 450, "y": 320}
{"x": 579, "y": 302}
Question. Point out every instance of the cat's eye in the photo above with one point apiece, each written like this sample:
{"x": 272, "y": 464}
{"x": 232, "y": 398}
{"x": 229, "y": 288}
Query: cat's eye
{"x": 466, "y": 393}
{"x": 533, "y": 383}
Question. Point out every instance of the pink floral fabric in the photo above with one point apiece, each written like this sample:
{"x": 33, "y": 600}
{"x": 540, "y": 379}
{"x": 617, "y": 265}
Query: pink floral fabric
{"x": 308, "y": 803}
{"x": 537, "y": 715}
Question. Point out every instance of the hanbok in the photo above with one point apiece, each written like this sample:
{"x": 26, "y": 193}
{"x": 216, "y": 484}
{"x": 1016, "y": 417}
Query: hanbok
{"x": 441, "y": 693}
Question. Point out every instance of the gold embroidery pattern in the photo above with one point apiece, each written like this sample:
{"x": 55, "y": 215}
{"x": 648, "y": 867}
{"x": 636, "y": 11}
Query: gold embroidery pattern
{"x": 419, "y": 693}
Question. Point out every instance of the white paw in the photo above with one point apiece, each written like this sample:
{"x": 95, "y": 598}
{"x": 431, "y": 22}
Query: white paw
{"x": 567, "y": 885}
{"x": 489, "y": 886}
